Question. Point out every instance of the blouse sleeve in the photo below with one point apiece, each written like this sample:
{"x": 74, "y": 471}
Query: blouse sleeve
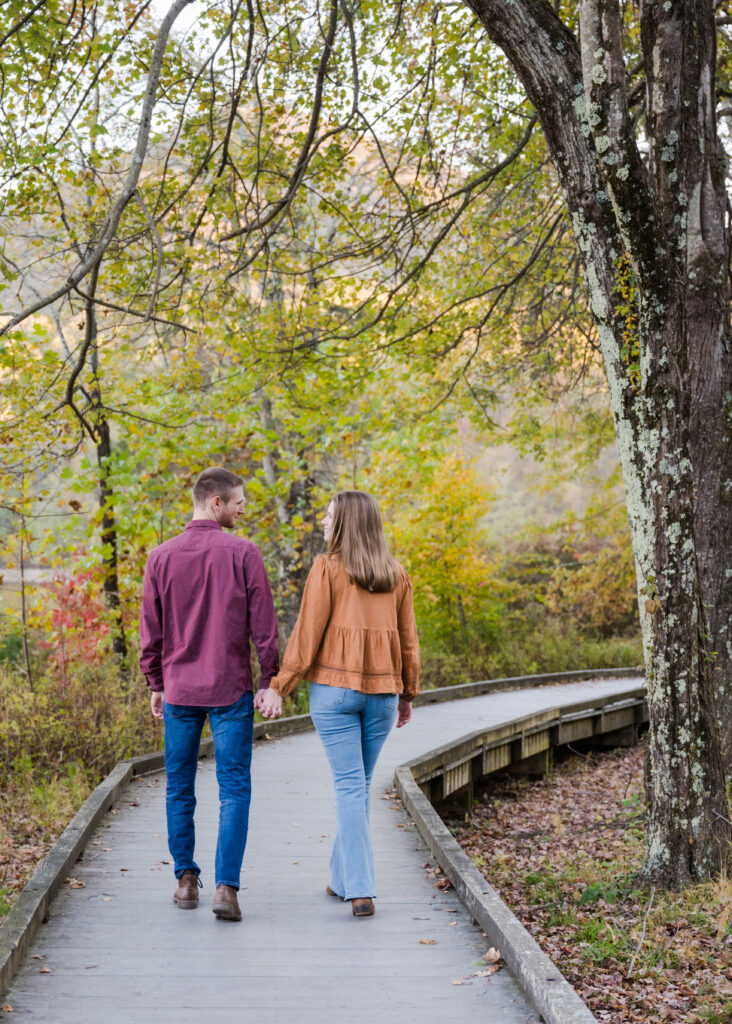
{"x": 308, "y": 633}
{"x": 409, "y": 643}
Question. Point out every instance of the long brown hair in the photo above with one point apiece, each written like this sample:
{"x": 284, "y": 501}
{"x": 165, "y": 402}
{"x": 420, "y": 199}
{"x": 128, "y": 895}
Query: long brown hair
{"x": 358, "y": 537}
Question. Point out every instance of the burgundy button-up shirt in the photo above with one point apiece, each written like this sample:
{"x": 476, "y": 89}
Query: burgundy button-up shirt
{"x": 205, "y": 594}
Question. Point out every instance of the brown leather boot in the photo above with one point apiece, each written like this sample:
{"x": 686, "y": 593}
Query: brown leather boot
{"x": 226, "y": 904}
{"x": 186, "y": 895}
{"x": 362, "y": 906}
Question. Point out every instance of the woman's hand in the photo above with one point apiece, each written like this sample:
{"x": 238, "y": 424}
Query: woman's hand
{"x": 268, "y": 703}
{"x": 404, "y": 713}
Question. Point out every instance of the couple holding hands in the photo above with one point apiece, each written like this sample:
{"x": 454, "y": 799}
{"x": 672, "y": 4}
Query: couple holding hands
{"x": 205, "y": 593}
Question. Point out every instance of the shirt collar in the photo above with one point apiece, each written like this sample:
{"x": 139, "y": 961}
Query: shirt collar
{"x": 203, "y": 524}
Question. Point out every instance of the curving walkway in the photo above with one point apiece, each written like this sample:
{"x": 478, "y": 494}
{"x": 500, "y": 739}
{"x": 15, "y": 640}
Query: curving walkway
{"x": 117, "y": 950}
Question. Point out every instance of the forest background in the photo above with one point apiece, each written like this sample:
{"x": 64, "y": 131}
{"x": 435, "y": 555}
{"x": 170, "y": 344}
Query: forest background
{"x": 388, "y": 298}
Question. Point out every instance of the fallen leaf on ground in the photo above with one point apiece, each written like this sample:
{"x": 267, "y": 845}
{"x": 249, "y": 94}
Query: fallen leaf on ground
{"x": 492, "y": 956}
{"x": 565, "y": 854}
{"x": 428, "y": 942}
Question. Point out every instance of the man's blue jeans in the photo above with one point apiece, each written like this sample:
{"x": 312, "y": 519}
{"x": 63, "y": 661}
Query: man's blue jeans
{"x": 231, "y": 728}
{"x": 352, "y": 726}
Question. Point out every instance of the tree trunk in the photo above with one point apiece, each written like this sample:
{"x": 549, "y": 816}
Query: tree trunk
{"x": 100, "y": 433}
{"x": 656, "y": 229}
{"x": 293, "y": 561}
{"x": 109, "y": 541}
{"x": 23, "y": 608}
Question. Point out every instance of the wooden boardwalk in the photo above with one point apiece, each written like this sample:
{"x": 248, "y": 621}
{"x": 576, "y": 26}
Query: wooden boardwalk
{"x": 117, "y": 950}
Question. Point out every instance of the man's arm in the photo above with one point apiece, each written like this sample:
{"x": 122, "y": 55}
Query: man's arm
{"x": 151, "y": 639}
{"x": 262, "y": 619}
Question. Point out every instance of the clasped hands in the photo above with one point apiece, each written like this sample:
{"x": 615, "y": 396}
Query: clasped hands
{"x": 268, "y": 703}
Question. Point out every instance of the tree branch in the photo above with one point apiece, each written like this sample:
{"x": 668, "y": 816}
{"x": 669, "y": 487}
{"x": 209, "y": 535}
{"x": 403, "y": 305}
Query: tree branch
{"x": 158, "y": 242}
{"x": 309, "y": 146}
{"x": 135, "y": 312}
{"x": 90, "y": 336}
{"x": 19, "y": 24}
{"x": 111, "y": 221}
{"x": 608, "y": 118}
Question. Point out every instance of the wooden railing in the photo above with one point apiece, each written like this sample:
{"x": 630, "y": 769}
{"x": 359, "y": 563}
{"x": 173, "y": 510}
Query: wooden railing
{"x": 524, "y": 745}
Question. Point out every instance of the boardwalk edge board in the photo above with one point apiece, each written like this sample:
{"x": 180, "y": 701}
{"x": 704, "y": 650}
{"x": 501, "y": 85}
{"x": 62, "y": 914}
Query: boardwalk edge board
{"x": 549, "y": 991}
{"x": 31, "y": 908}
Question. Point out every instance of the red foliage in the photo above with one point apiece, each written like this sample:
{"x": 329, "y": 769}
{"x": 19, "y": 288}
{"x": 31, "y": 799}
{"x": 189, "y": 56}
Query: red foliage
{"x": 76, "y": 628}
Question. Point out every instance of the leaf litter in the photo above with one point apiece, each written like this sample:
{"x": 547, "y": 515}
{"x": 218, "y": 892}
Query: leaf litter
{"x": 565, "y": 853}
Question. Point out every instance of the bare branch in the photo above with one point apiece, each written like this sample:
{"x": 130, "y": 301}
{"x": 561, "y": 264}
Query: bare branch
{"x": 158, "y": 242}
{"x": 643, "y": 933}
{"x": 135, "y": 312}
{"x": 310, "y": 145}
{"x": 148, "y": 419}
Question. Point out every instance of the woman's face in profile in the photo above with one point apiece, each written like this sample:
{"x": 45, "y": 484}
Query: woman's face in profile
{"x": 327, "y": 522}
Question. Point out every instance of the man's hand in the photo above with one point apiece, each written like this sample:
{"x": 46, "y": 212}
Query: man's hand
{"x": 156, "y": 703}
{"x": 404, "y": 713}
{"x": 268, "y": 703}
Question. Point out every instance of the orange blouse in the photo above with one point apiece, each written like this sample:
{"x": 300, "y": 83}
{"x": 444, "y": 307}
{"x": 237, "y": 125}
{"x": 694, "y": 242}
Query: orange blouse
{"x": 347, "y": 636}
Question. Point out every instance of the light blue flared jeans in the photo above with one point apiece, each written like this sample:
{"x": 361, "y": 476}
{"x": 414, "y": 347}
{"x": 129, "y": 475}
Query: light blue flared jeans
{"x": 352, "y": 726}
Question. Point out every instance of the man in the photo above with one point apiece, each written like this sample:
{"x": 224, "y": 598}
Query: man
{"x": 205, "y": 593}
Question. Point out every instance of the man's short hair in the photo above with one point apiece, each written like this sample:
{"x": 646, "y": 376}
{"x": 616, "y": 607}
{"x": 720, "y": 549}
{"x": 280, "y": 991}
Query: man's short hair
{"x": 215, "y": 482}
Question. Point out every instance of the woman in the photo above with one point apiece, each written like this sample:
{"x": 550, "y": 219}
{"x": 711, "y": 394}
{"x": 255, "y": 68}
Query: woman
{"x": 356, "y": 641}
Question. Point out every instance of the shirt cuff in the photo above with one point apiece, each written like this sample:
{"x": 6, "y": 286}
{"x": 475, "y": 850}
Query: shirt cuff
{"x": 156, "y": 685}
{"x": 285, "y": 681}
